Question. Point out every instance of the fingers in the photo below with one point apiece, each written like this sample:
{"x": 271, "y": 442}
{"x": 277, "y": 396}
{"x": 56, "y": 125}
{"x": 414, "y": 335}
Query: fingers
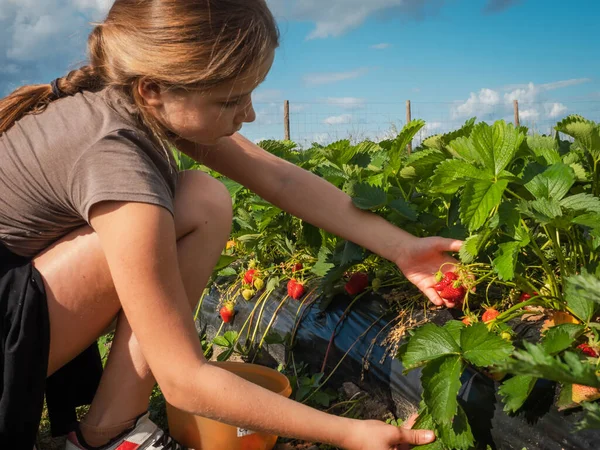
{"x": 417, "y": 437}
{"x": 409, "y": 423}
{"x": 449, "y": 245}
{"x": 433, "y": 296}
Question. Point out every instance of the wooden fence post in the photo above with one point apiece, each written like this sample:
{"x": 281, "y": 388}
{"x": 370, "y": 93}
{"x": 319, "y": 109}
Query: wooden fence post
{"x": 286, "y": 119}
{"x": 408, "y": 119}
{"x": 516, "y": 108}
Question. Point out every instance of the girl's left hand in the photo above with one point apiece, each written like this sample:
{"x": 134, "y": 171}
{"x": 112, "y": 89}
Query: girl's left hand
{"x": 421, "y": 258}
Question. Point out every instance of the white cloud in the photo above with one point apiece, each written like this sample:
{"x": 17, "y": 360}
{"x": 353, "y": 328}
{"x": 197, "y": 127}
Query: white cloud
{"x": 338, "y": 120}
{"x": 347, "y": 102}
{"x": 529, "y": 114}
{"x": 554, "y": 110}
{"x": 381, "y": 46}
{"x": 484, "y": 101}
{"x": 333, "y": 77}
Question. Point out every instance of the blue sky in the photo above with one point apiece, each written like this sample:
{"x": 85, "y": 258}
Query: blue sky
{"x": 348, "y": 66}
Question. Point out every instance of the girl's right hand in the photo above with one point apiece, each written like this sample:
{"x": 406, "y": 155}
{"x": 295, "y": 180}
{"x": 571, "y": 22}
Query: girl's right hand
{"x": 377, "y": 435}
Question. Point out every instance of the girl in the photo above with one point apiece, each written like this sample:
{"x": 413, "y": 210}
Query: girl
{"x": 96, "y": 224}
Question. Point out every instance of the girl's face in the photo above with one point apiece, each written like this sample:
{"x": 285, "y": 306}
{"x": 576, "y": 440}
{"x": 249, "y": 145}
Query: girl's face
{"x": 204, "y": 117}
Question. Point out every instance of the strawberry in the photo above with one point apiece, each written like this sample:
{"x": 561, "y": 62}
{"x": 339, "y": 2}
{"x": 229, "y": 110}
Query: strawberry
{"x": 295, "y": 289}
{"x": 526, "y": 296}
{"x": 454, "y": 292}
{"x": 230, "y": 245}
{"x": 249, "y": 276}
{"x": 489, "y": 315}
{"x": 357, "y": 283}
{"x": 296, "y": 267}
{"x": 506, "y": 336}
{"x": 259, "y": 284}
{"x": 466, "y": 320}
{"x": 447, "y": 279}
{"x": 583, "y": 393}
{"x": 248, "y": 294}
{"x": 227, "y": 312}
{"x": 587, "y": 350}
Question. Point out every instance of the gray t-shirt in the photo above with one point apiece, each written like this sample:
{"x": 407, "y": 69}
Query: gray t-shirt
{"x": 81, "y": 150}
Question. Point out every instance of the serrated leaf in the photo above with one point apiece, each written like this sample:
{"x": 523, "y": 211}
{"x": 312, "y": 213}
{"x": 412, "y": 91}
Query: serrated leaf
{"x": 483, "y": 348}
{"x": 535, "y": 361}
{"x": 312, "y": 235}
{"x": 224, "y": 261}
{"x": 232, "y": 186}
{"x": 429, "y": 342}
{"x": 352, "y": 254}
{"x": 579, "y": 171}
{"x": 478, "y": 200}
{"x": 591, "y": 420}
{"x": 221, "y": 341}
{"x": 368, "y": 197}
{"x": 585, "y": 132}
{"x": 404, "y": 208}
{"x": 581, "y": 202}
{"x": 463, "y": 147}
{"x": 515, "y": 391}
{"x": 561, "y": 337}
{"x": 406, "y": 135}
{"x": 549, "y": 208}
{"x": 553, "y": 183}
{"x": 506, "y": 260}
{"x": 273, "y": 283}
{"x": 545, "y": 147}
{"x": 470, "y": 249}
{"x": 582, "y": 294}
{"x": 441, "y": 382}
{"x": 453, "y": 327}
{"x": 496, "y": 145}
{"x": 458, "y": 435}
{"x": 453, "y": 173}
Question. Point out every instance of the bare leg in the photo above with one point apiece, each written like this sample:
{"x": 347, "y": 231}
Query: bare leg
{"x": 82, "y": 300}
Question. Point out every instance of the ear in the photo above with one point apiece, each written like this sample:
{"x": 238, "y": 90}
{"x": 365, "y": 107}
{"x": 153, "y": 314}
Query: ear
{"x": 151, "y": 92}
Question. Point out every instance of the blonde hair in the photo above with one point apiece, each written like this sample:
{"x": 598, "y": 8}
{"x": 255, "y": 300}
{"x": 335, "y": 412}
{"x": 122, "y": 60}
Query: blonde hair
{"x": 192, "y": 44}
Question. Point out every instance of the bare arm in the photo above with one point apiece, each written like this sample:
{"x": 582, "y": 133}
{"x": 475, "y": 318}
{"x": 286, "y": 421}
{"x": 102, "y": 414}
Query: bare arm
{"x": 140, "y": 248}
{"x": 300, "y": 193}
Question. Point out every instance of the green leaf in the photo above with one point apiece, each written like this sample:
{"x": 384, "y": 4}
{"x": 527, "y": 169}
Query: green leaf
{"x": 558, "y": 339}
{"x": 273, "y": 283}
{"x": 515, "y": 391}
{"x": 470, "y": 249}
{"x": 585, "y": 132}
{"x": 224, "y": 261}
{"x": 368, "y": 197}
{"x": 548, "y": 207}
{"x": 496, "y": 145}
{"x": 591, "y": 420}
{"x": 221, "y": 341}
{"x": 425, "y": 422}
{"x": 429, "y": 342}
{"x": 453, "y": 173}
{"x": 353, "y": 253}
{"x": 553, "y": 183}
{"x": 545, "y": 147}
{"x": 463, "y": 147}
{"x": 483, "y": 348}
{"x": 581, "y": 202}
{"x": 506, "y": 260}
{"x": 406, "y": 135}
{"x": 441, "y": 382}
{"x": 582, "y": 294}
{"x": 232, "y": 186}
{"x": 536, "y": 361}
{"x": 478, "y": 200}
{"x": 312, "y": 235}
{"x": 458, "y": 435}
{"x": 403, "y": 208}
{"x": 454, "y": 327}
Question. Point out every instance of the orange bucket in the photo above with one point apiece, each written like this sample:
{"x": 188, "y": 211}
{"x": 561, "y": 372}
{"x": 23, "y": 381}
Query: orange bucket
{"x": 201, "y": 433}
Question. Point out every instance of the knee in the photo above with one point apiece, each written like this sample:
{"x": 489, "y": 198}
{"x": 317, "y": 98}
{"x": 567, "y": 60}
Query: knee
{"x": 204, "y": 201}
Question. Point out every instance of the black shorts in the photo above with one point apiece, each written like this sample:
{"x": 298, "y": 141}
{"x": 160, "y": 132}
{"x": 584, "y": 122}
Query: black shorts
{"x": 24, "y": 351}
{"x": 25, "y": 344}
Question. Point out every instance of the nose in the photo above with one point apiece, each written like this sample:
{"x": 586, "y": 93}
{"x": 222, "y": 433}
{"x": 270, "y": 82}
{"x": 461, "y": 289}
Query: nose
{"x": 248, "y": 114}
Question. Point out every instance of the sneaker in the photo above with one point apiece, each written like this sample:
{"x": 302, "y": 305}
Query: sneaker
{"x": 145, "y": 435}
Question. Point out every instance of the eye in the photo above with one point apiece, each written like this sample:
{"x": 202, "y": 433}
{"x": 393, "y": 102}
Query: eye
{"x": 232, "y": 103}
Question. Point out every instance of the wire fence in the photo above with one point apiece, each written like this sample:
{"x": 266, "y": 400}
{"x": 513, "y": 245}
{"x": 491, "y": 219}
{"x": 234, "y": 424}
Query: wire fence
{"x": 326, "y": 122}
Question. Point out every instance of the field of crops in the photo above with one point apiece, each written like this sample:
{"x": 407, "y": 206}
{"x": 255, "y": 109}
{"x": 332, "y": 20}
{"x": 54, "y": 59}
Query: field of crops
{"x": 527, "y": 207}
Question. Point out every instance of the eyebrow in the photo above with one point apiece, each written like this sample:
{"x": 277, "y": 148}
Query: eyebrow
{"x": 236, "y": 97}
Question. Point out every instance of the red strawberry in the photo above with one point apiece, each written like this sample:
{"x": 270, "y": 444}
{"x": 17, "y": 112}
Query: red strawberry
{"x": 454, "y": 292}
{"x": 489, "y": 315}
{"x": 357, "y": 283}
{"x": 449, "y": 277}
{"x": 587, "y": 350}
{"x": 249, "y": 276}
{"x": 295, "y": 289}
{"x": 526, "y": 296}
{"x": 227, "y": 312}
{"x": 466, "y": 320}
{"x": 296, "y": 267}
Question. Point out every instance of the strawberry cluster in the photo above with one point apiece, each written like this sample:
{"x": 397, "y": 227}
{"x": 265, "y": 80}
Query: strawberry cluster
{"x": 450, "y": 287}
